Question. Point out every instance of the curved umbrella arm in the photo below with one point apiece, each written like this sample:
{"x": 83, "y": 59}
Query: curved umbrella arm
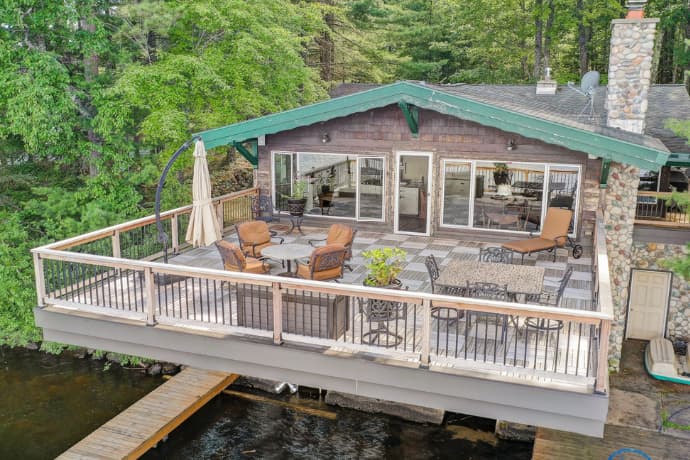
{"x": 162, "y": 236}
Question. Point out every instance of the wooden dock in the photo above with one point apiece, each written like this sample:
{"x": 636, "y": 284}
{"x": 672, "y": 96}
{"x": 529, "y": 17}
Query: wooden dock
{"x": 142, "y": 425}
{"x": 550, "y": 444}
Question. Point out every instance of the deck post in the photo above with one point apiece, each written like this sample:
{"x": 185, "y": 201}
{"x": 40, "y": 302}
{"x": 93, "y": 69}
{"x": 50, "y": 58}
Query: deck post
{"x": 116, "y": 244}
{"x": 174, "y": 235}
{"x": 40, "y": 279}
{"x": 219, "y": 214}
{"x": 602, "y": 382}
{"x": 277, "y": 314}
{"x": 150, "y": 289}
{"x": 426, "y": 332}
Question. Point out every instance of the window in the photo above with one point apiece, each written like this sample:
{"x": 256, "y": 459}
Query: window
{"x": 457, "y": 184}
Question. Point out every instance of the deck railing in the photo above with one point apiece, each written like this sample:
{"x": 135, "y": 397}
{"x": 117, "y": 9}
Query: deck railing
{"x": 500, "y": 337}
{"x": 659, "y": 209}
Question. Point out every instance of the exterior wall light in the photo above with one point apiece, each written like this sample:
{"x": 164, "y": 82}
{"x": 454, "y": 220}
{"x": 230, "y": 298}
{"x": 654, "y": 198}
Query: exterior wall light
{"x": 512, "y": 145}
{"x": 325, "y": 138}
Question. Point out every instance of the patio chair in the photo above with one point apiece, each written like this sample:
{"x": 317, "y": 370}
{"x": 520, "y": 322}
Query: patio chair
{"x": 554, "y": 234}
{"x": 339, "y": 234}
{"x": 441, "y": 313}
{"x": 548, "y": 297}
{"x": 234, "y": 260}
{"x": 325, "y": 264}
{"x": 489, "y": 291}
{"x": 262, "y": 209}
{"x": 379, "y": 314}
{"x": 496, "y": 255}
{"x": 254, "y": 236}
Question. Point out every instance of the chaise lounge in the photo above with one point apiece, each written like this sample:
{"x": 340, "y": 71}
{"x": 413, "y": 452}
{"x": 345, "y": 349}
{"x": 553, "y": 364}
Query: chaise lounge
{"x": 554, "y": 234}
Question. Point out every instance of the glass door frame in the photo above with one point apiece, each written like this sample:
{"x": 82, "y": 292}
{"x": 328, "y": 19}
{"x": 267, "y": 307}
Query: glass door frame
{"x": 274, "y": 186}
{"x": 383, "y": 188}
{"x": 396, "y": 191}
{"x": 470, "y": 204}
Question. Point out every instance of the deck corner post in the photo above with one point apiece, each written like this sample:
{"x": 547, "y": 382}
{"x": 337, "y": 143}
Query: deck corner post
{"x": 277, "y": 314}
{"x": 117, "y": 253}
{"x": 150, "y": 289}
{"x": 219, "y": 214}
{"x": 602, "y": 380}
{"x": 40, "y": 279}
{"x": 426, "y": 332}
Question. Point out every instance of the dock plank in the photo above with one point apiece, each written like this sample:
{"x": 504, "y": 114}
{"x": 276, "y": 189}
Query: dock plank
{"x": 142, "y": 425}
{"x": 551, "y": 444}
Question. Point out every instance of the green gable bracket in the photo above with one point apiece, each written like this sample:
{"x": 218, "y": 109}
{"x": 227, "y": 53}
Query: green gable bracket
{"x": 412, "y": 116}
{"x": 605, "y": 166}
{"x": 253, "y": 156}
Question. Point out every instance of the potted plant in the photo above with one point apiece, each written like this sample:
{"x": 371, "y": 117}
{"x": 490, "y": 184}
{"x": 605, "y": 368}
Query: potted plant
{"x": 502, "y": 179}
{"x": 384, "y": 265}
{"x": 297, "y": 199}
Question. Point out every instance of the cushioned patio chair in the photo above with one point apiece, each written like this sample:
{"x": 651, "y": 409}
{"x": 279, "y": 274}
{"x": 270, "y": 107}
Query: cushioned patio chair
{"x": 234, "y": 260}
{"x": 554, "y": 234}
{"x": 325, "y": 264}
{"x": 254, "y": 236}
{"x": 339, "y": 234}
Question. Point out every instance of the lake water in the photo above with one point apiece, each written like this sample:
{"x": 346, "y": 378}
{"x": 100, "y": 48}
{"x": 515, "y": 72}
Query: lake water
{"x": 48, "y": 403}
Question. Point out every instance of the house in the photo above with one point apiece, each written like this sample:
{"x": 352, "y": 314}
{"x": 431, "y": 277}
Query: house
{"x": 422, "y": 159}
{"x": 460, "y": 162}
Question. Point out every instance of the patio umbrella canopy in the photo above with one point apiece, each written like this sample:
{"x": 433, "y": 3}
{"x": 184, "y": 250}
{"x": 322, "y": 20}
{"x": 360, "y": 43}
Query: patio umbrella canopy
{"x": 203, "y": 224}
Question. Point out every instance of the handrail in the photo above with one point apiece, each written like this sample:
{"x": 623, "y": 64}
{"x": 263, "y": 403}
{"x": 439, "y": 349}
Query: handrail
{"x": 605, "y": 301}
{"x": 462, "y": 303}
{"x": 110, "y": 231}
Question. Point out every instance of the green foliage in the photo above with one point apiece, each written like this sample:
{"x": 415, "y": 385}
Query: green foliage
{"x": 384, "y": 265}
{"x": 299, "y": 189}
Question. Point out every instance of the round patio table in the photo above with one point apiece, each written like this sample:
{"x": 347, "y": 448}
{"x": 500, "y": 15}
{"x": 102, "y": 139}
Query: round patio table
{"x": 287, "y": 252}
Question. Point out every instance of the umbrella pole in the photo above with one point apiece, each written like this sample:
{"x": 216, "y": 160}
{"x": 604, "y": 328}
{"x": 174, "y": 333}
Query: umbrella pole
{"x": 162, "y": 236}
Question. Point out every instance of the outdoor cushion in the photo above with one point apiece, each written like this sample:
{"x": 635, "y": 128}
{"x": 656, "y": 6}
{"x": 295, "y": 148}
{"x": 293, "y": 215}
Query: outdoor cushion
{"x": 234, "y": 260}
{"x": 254, "y": 236}
{"x": 530, "y": 245}
{"x": 325, "y": 263}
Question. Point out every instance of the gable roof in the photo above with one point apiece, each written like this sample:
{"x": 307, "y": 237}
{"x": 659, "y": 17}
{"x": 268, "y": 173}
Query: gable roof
{"x": 511, "y": 113}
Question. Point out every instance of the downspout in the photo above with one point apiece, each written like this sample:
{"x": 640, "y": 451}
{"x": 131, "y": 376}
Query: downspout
{"x": 162, "y": 236}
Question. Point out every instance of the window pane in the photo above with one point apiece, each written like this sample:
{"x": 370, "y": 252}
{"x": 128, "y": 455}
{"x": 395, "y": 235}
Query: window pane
{"x": 332, "y": 187}
{"x": 508, "y": 196}
{"x": 282, "y": 179}
{"x": 456, "y": 193}
{"x": 370, "y": 188}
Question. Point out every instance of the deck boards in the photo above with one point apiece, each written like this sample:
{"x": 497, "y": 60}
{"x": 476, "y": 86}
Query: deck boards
{"x": 551, "y": 444}
{"x": 138, "y": 428}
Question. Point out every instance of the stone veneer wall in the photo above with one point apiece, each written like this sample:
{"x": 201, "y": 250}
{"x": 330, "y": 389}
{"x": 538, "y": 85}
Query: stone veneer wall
{"x": 649, "y": 256}
{"x": 619, "y": 219}
{"x": 630, "y": 73}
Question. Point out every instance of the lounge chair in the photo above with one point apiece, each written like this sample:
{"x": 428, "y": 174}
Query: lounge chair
{"x": 554, "y": 234}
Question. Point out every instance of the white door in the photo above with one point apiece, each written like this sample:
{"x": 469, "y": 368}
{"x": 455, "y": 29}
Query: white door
{"x": 648, "y": 303}
{"x": 412, "y": 192}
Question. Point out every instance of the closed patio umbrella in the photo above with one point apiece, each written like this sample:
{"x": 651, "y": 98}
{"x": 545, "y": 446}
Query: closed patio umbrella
{"x": 203, "y": 224}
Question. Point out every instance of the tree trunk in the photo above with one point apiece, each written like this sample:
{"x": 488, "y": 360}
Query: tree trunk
{"x": 90, "y": 63}
{"x": 582, "y": 37}
{"x": 326, "y": 47}
{"x": 538, "y": 34}
{"x": 547, "y": 35}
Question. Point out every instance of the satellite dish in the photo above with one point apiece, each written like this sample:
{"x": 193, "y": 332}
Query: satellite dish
{"x": 590, "y": 82}
{"x": 588, "y": 87}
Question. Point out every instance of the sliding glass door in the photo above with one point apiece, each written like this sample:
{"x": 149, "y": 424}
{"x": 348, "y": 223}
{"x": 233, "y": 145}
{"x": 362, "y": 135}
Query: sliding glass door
{"x": 370, "y": 188}
{"x": 282, "y": 179}
{"x": 457, "y": 192}
{"x": 413, "y": 186}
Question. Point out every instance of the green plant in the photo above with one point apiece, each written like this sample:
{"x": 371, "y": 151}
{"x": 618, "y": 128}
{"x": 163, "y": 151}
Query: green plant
{"x": 384, "y": 265}
{"x": 299, "y": 189}
{"x": 500, "y": 167}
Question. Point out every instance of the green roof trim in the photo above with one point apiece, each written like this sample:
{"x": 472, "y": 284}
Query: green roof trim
{"x": 421, "y": 96}
{"x": 679, "y": 159}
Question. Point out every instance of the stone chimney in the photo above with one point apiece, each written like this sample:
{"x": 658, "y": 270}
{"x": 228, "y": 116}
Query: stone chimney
{"x": 630, "y": 69}
{"x": 547, "y": 85}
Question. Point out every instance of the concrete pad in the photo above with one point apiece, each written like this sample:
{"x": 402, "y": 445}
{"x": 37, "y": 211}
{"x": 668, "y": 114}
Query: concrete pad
{"x": 627, "y": 408}
{"x": 379, "y": 406}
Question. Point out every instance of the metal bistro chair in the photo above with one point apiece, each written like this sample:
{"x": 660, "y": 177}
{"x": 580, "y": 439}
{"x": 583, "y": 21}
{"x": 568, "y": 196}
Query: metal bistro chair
{"x": 496, "y": 255}
{"x": 489, "y": 291}
{"x": 262, "y": 209}
{"x": 382, "y": 313}
{"x": 440, "y": 313}
{"x": 552, "y": 298}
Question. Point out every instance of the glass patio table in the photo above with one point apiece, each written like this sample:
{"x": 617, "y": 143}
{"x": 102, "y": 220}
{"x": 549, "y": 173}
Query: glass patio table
{"x": 518, "y": 279}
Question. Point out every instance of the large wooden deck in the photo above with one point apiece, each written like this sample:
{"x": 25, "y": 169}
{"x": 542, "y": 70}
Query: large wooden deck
{"x": 141, "y": 426}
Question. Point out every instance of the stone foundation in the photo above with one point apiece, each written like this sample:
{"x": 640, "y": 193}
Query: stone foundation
{"x": 379, "y": 406}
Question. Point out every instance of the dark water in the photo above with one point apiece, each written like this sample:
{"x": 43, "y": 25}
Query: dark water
{"x": 48, "y": 403}
{"x": 231, "y": 428}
